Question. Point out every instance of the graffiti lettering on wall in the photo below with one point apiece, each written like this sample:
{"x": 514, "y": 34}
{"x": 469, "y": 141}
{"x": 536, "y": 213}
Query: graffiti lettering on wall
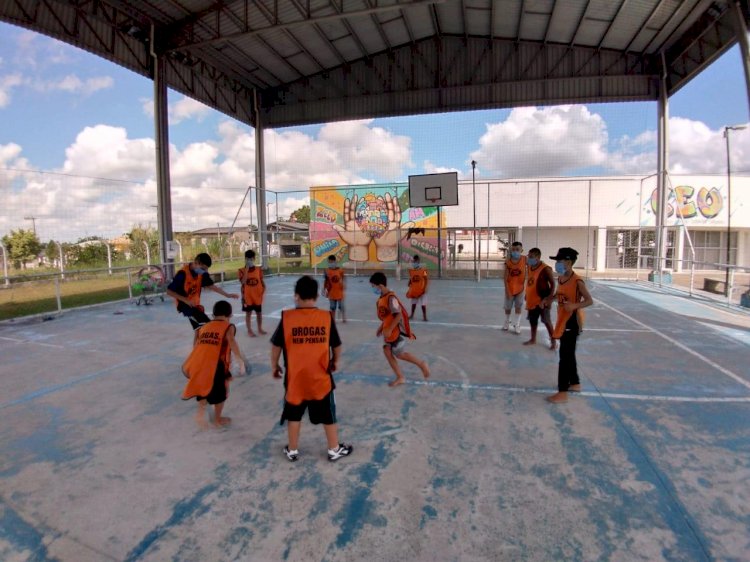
{"x": 708, "y": 202}
{"x": 325, "y": 215}
{"x": 326, "y": 247}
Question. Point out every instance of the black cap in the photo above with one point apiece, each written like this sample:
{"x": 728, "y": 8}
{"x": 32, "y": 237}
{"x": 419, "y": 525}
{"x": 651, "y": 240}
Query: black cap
{"x": 565, "y": 254}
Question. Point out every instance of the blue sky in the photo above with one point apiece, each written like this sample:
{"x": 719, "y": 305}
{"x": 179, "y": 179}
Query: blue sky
{"x": 63, "y": 109}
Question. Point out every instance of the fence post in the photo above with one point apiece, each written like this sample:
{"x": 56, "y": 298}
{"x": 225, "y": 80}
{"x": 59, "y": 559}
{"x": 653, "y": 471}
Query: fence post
{"x": 730, "y": 286}
{"x": 62, "y": 260}
{"x": 57, "y": 294}
{"x": 130, "y": 286}
{"x": 692, "y": 276}
{"x": 5, "y": 264}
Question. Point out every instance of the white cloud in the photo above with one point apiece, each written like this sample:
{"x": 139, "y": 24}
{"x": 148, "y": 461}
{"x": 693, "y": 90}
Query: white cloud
{"x": 74, "y": 85}
{"x": 37, "y": 51}
{"x": 7, "y": 83}
{"x": 548, "y": 141}
{"x": 186, "y": 108}
{"x": 107, "y": 152}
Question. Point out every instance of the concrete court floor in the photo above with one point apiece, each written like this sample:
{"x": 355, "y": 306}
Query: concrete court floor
{"x": 100, "y": 459}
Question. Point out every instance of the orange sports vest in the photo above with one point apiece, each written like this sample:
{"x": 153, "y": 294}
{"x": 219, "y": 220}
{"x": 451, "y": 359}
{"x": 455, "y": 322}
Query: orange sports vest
{"x": 192, "y": 287}
{"x": 417, "y": 283}
{"x": 252, "y": 285}
{"x": 532, "y": 295}
{"x": 334, "y": 283}
{"x": 567, "y": 292}
{"x": 307, "y": 341}
{"x": 516, "y": 274}
{"x": 210, "y": 348}
{"x": 384, "y": 313}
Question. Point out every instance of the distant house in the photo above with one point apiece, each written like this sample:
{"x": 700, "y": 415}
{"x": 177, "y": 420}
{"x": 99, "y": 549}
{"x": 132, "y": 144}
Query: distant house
{"x": 299, "y": 230}
{"x": 239, "y": 235}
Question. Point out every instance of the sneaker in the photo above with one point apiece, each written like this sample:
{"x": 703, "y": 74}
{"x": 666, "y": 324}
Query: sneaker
{"x": 292, "y": 455}
{"x": 517, "y": 328}
{"x": 506, "y": 326}
{"x": 340, "y": 451}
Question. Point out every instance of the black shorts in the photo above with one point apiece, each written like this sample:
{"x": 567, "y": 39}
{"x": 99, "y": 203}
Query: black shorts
{"x": 536, "y": 313}
{"x": 320, "y": 411}
{"x": 197, "y": 317}
{"x": 252, "y": 308}
{"x": 218, "y": 392}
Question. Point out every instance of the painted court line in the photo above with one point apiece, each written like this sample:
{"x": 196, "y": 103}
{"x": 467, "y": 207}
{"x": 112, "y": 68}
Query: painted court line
{"x": 17, "y": 340}
{"x": 682, "y": 346}
{"x": 520, "y": 389}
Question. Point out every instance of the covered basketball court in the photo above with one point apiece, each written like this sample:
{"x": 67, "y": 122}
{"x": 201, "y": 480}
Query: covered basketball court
{"x": 102, "y": 461}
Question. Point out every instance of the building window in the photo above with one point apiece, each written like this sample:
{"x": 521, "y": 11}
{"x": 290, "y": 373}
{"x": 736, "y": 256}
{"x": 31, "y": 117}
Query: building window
{"x": 710, "y": 248}
{"x": 623, "y": 249}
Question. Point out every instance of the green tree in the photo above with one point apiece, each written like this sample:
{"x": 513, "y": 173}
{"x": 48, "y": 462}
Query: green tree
{"x": 90, "y": 251}
{"x": 52, "y": 253}
{"x": 140, "y": 234}
{"x": 23, "y": 246}
{"x": 301, "y": 215}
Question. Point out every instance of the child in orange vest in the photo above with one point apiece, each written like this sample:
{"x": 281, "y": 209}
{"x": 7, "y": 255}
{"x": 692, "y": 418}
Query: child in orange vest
{"x": 417, "y": 292}
{"x": 207, "y": 366}
{"x": 333, "y": 288}
{"x": 394, "y": 328}
{"x": 540, "y": 289}
{"x": 311, "y": 345}
{"x": 253, "y": 288}
{"x": 572, "y": 296}
{"x": 186, "y": 287}
{"x": 515, "y": 284}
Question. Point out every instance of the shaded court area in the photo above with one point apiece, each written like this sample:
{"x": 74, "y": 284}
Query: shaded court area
{"x": 101, "y": 460}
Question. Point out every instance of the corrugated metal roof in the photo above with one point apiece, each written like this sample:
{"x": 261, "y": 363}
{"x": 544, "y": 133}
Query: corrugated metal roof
{"x": 322, "y": 60}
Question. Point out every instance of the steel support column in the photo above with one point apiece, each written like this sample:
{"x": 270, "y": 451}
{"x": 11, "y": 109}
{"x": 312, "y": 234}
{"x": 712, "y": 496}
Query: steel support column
{"x": 741, "y": 28}
{"x": 260, "y": 182}
{"x": 161, "y": 136}
{"x": 661, "y": 172}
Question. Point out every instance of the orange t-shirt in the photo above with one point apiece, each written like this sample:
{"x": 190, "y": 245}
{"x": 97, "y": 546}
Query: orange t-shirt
{"x": 516, "y": 280}
{"x": 567, "y": 291}
{"x": 385, "y": 313}
{"x": 533, "y": 299}
{"x": 417, "y": 283}
{"x": 252, "y": 286}
{"x": 210, "y": 349}
{"x": 307, "y": 333}
{"x": 334, "y": 283}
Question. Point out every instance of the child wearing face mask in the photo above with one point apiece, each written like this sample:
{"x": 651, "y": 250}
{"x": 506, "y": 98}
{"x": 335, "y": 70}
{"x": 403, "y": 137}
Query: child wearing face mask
{"x": 540, "y": 289}
{"x": 333, "y": 288}
{"x": 394, "y": 328}
{"x": 515, "y": 283}
{"x": 572, "y": 296}
{"x": 417, "y": 292}
{"x": 253, "y": 288}
{"x": 186, "y": 287}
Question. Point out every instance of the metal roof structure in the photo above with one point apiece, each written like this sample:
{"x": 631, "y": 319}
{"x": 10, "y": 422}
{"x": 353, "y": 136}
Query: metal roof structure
{"x": 313, "y": 61}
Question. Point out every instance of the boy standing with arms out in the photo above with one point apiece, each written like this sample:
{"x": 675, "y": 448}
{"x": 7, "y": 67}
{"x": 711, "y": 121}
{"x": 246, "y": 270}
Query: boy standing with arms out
{"x": 311, "y": 346}
{"x": 540, "y": 288}
{"x": 515, "y": 282}
{"x": 572, "y": 296}
{"x": 186, "y": 287}
{"x": 394, "y": 328}
{"x": 253, "y": 288}
{"x": 417, "y": 292}
{"x": 208, "y": 364}
{"x": 333, "y": 288}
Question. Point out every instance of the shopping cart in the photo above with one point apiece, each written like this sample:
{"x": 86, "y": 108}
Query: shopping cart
{"x": 148, "y": 284}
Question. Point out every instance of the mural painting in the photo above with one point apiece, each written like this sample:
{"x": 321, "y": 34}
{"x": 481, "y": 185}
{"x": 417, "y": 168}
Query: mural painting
{"x": 370, "y": 226}
{"x": 688, "y": 204}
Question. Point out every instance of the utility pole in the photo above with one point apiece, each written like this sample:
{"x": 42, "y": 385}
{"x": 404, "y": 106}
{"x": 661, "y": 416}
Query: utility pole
{"x": 33, "y": 223}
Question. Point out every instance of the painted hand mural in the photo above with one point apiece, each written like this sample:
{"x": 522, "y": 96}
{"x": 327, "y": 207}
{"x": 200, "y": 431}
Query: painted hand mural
{"x": 372, "y": 218}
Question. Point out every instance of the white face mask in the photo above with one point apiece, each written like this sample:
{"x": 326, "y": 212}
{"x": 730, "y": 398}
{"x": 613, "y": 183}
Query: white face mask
{"x": 417, "y": 265}
{"x": 250, "y": 263}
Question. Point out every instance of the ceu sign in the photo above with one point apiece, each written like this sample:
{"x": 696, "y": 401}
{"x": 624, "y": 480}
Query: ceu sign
{"x": 708, "y": 202}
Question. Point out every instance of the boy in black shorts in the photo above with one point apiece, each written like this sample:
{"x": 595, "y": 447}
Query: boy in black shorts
{"x": 311, "y": 346}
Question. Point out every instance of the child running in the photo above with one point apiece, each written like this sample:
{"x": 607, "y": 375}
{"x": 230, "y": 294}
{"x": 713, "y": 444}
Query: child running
{"x": 394, "y": 328}
{"x": 540, "y": 288}
{"x": 417, "y": 292}
{"x": 333, "y": 288}
{"x": 312, "y": 347}
{"x": 207, "y": 366}
{"x": 572, "y": 296}
{"x": 253, "y": 288}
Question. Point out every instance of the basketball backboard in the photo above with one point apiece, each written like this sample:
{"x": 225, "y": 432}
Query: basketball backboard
{"x": 433, "y": 190}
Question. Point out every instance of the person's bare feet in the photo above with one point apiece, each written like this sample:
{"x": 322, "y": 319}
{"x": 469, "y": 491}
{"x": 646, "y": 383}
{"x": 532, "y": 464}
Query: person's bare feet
{"x": 397, "y": 381}
{"x": 530, "y": 342}
{"x": 425, "y": 370}
{"x": 574, "y": 388}
{"x": 222, "y": 421}
{"x": 200, "y": 419}
{"x": 553, "y": 345}
{"x": 424, "y": 319}
{"x": 558, "y": 398}
{"x": 262, "y": 331}
{"x": 250, "y": 333}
